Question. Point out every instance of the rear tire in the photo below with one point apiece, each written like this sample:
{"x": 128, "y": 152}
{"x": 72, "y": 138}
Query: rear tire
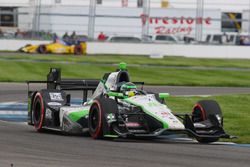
{"x": 201, "y": 112}
{"x": 38, "y": 112}
{"x": 78, "y": 50}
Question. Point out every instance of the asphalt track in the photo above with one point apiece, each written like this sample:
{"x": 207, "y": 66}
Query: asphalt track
{"x": 21, "y": 146}
{"x": 18, "y": 91}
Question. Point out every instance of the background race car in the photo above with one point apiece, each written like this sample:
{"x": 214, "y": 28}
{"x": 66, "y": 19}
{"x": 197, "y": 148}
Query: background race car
{"x": 57, "y": 47}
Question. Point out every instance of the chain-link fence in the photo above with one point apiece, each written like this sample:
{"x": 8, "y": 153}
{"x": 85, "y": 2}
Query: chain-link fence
{"x": 163, "y": 21}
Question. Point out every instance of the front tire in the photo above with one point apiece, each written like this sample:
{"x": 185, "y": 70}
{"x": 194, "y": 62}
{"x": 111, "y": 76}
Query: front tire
{"x": 202, "y": 111}
{"x": 95, "y": 120}
{"x": 38, "y": 112}
{"x": 98, "y": 125}
{"x": 42, "y": 49}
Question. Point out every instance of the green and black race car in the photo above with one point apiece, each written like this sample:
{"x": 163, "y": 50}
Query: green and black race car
{"x": 117, "y": 108}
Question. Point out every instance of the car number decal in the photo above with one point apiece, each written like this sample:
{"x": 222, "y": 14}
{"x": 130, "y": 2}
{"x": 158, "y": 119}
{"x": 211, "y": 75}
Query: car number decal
{"x": 56, "y": 96}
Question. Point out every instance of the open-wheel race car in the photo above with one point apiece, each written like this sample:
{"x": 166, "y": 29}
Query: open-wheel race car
{"x": 57, "y": 47}
{"x": 117, "y": 108}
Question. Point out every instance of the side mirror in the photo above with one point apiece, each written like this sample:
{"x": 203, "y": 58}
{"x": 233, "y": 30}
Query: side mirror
{"x": 115, "y": 94}
{"x": 164, "y": 95}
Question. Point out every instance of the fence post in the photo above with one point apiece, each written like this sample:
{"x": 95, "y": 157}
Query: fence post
{"x": 145, "y": 23}
{"x": 91, "y": 22}
{"x": 198, "y": 25}
{"x": 248, "y": 20}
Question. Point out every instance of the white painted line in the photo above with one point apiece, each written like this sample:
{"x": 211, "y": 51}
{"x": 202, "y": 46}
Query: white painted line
{"x": 193, "y": 95}
{"x": 13, "y": 113}
{"x": 19, "y": 123}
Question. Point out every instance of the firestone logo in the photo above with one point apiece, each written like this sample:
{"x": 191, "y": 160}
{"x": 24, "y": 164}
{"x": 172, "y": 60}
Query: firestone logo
{"x": 184, "y": 24}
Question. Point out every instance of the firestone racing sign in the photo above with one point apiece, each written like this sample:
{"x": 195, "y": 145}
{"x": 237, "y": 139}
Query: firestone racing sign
{"x": 174, "y": 25}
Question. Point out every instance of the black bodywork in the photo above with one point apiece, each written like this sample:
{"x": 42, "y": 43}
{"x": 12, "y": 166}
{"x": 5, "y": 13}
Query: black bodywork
{"x": 55, "y": 84}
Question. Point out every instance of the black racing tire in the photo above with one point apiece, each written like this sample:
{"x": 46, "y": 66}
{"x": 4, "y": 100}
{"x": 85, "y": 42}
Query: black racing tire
{"x": 38, "y": 112}
{"x": 96, "y": 120}
{"x": 204, "y": 108}
{"x": 201, "y": 112}
{"x": 78, "y": 50}
{"x": 42, "y": 49}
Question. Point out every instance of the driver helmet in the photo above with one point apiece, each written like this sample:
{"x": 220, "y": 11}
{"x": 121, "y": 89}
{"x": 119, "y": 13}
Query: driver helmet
{"x": 129, "y": 89}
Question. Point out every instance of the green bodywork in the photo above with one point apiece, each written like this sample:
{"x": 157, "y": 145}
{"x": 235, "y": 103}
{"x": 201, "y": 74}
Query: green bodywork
{"x": 164, "y": 95}
{"x": 122, "y": 66}
{"x": 75, "y": 116}
{"x": 164, "y": 123}
{"x": 115, "y": 94}
{"x": 111, "y": 136}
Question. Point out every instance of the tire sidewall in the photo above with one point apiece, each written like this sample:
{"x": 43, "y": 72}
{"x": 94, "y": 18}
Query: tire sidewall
{"x": 42, "y": 49}
{"x": 78, "y": 50}
{"x": 38, "y": 123}
{"x": 205, "y": 109}
{"x": 202, "y": 113}
{"x": 97, "y": 132}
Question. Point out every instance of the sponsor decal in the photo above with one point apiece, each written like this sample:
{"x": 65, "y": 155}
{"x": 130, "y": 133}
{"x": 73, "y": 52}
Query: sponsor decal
{"x": 177, "y": 30}
{"x": 111, "y": 118}
{"x": 164, "y": 114}
{"x": 159, "y": 111}
{"x": 174, "y": 25}
{"x": 60, "y": 50}
{"x": 132, "y": 124}
{"x": 56, "y": 96}
{"x": 54, "y": 104}
{"x": 48, "y": 114}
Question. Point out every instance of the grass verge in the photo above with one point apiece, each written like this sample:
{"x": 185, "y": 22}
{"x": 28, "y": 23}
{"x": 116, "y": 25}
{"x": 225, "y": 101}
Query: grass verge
{"x": 14, "y": 71}
{"x": 235, "y": 109}
{"x": 133, "y": 59}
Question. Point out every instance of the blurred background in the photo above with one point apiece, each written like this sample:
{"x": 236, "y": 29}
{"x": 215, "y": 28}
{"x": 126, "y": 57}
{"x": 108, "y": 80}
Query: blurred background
{"x": 158, "y": 21}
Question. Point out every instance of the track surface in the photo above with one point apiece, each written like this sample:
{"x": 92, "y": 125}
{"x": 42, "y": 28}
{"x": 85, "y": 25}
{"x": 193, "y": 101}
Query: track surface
{"x": 21, "y": 146}
{"x": 18, "y": 91}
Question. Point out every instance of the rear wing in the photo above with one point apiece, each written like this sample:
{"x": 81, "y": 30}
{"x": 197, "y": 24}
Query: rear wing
{"x": 54, "y": 81}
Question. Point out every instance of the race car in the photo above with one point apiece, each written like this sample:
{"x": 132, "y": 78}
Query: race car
{"x": 55, "y": 48}
{"x": 118, "y": 108}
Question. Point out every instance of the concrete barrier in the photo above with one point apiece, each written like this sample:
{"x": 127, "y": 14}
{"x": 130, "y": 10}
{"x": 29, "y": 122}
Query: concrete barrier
{"x": 199, "y": 51}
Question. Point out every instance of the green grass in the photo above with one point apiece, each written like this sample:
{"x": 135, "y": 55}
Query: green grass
{"x": 235, "y": 109}
{"x": 132, "y": 59}
{"x": 18, "y": 71}
{"x": 12, "y": 71}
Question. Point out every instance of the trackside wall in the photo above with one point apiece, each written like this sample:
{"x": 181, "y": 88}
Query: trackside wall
{"x": 199, "y": 51}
